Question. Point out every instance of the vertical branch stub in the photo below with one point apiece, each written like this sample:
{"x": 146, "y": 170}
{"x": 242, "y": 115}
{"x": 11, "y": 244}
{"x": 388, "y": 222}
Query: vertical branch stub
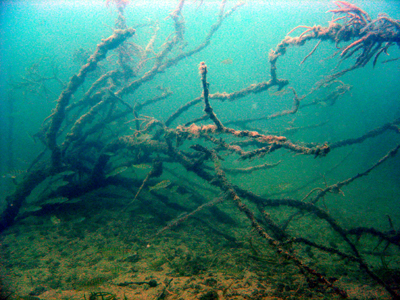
{"x": 207, "y": 107}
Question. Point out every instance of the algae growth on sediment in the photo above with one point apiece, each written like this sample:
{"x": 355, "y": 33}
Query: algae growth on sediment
{"x": 199, "y": 150}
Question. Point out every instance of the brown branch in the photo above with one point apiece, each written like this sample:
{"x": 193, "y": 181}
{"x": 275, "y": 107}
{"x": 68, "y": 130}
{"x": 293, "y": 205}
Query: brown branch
{"x": 183, "y": 218}
{"x": 336, "y": 188}
{"x": 311, "y": 53}
{"x": 251, "y": 169}
{"x": 58, "y": 116}
{"x": 370, "y": 134}
{"x": 293, "y": 110}
{"x": 231, "y": 194}
{"x": 23, "y": 190}
{"x": 156, "y": 171}
{"x": 251, "y": 89}
{"x": 160, "y": 66}
{"x": 207, "y": 107}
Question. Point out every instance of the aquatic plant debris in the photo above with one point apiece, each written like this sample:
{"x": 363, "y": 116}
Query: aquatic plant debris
{"x": 173, "y": 155}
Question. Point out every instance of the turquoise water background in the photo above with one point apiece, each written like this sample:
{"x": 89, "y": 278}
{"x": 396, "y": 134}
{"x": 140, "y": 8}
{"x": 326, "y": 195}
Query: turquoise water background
{"x": 43, "y": 30}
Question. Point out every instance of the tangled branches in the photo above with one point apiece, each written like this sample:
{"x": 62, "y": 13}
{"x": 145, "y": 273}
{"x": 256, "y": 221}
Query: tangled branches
{"x": 372, "y": 37}
{"x": 95, "y": 140}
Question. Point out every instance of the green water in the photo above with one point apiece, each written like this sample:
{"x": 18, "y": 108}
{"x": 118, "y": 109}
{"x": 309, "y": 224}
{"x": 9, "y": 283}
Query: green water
{"x": 43, "y": 40}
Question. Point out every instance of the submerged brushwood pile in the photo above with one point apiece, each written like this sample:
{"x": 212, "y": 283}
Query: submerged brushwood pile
{"x": 83, "y": 150}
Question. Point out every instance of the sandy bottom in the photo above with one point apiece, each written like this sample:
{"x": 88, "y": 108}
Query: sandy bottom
{"x": 93, "y": 249}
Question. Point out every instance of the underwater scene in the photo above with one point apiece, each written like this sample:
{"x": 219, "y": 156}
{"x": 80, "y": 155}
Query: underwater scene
{"x": 199, "y": 149}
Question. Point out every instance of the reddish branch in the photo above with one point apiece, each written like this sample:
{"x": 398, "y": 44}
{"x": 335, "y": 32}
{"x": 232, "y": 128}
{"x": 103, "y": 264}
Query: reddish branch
{"x": 273, "y": 142}
{"x": 365, "y": 39}
{"x": 351, "y": 9}
{"x": 368, "y": 35}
